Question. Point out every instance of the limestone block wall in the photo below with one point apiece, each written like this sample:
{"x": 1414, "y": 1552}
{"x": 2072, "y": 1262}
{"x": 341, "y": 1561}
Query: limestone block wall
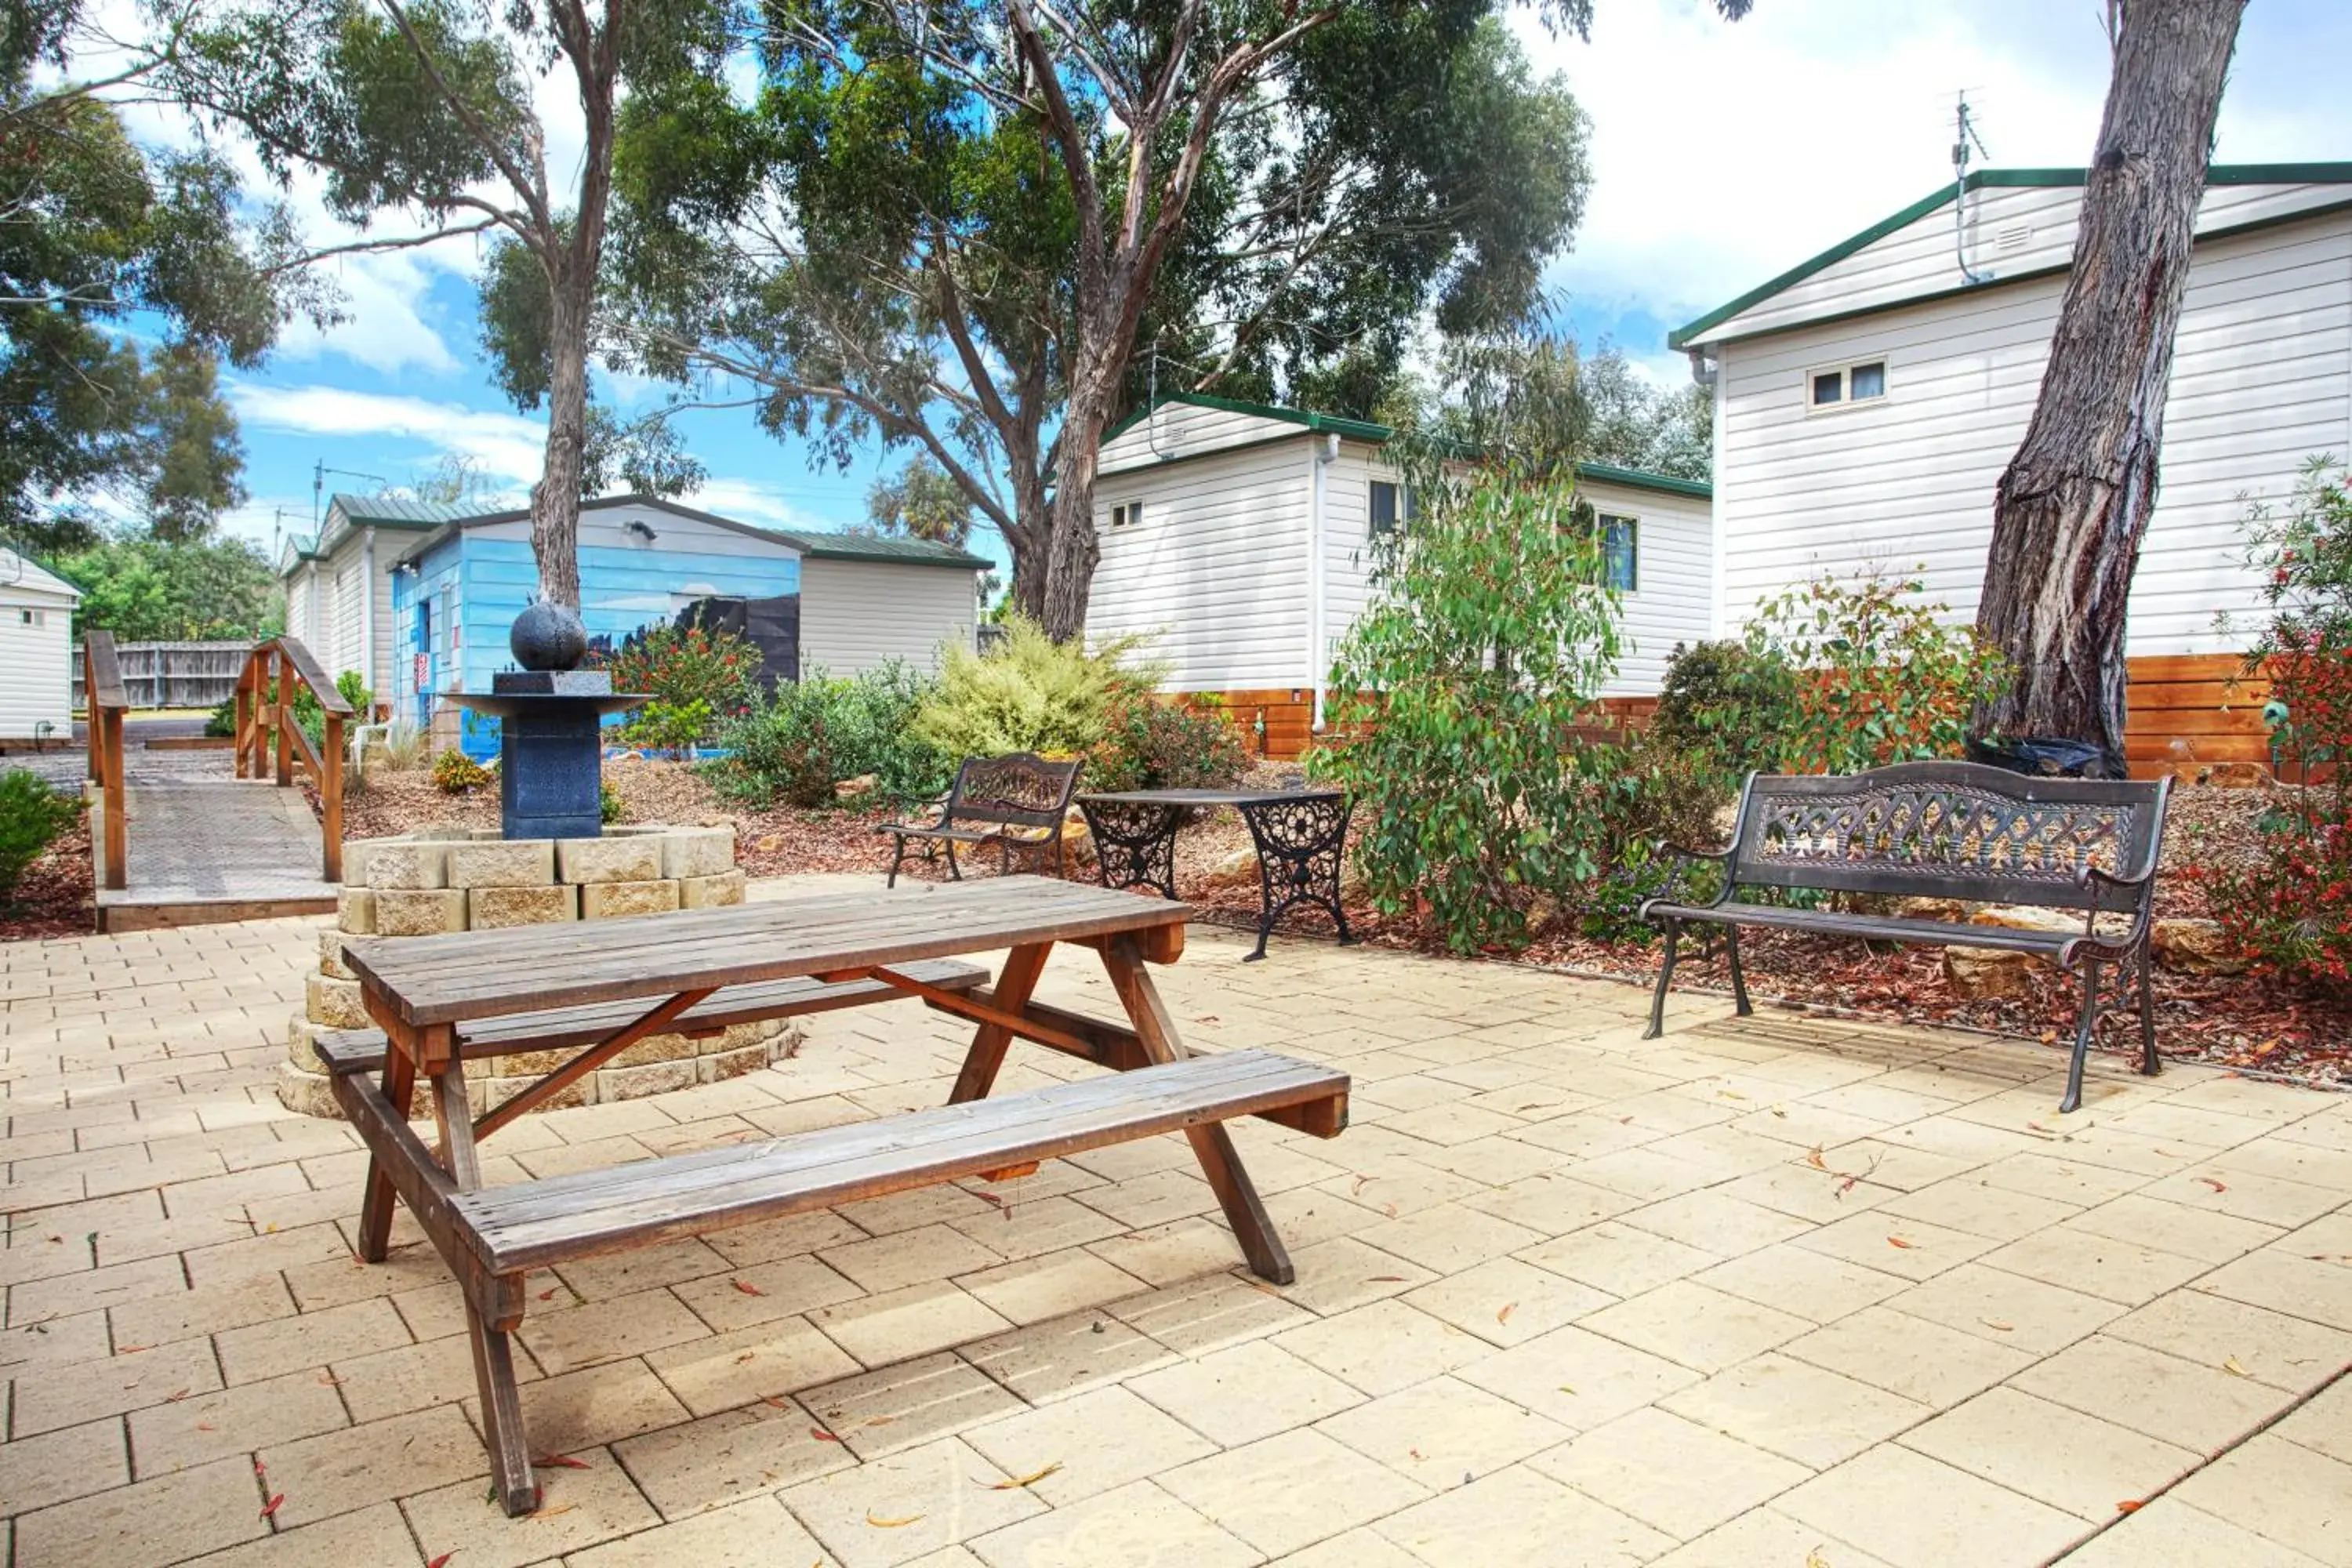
{"x": 438, "y": 880}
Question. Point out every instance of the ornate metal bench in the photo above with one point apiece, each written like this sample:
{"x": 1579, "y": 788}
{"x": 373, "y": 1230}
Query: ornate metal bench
{"x": 1018, "y": 800}
{"x": 1942, "y": 830}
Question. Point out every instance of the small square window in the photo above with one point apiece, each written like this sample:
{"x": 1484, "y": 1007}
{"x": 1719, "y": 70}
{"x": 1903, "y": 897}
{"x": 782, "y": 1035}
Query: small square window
{"x": 28, "y": 617}
{"x": 1127, "y": 515}
{"x": 1391, "y": 505}
{"x": 1866, "y": 381}
{"x": 1829, "y": 386}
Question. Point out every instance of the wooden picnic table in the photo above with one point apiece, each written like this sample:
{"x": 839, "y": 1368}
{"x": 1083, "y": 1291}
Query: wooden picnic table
{"x": 441, "y": 1000}
{"x": 1301, "y": 836}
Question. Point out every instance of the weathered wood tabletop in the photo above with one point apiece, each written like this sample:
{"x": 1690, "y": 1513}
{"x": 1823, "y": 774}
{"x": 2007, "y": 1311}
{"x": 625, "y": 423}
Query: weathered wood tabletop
{"x": 480, "y": 975}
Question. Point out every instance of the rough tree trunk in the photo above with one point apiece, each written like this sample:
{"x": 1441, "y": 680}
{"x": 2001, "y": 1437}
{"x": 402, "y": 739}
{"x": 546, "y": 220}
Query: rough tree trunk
{"x": 555, "y": 500}
{"x": 1060, "y": 576}
{"x": 2073, "y": 504}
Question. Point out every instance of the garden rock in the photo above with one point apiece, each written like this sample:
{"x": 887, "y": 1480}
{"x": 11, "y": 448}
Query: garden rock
{"x": 1976, "y": 973}
{"x": 1931, "y": 909}
{"x": 2195, "y": 947}
{"x": 851, "y": 789}
{"x": 1240, "y": 865}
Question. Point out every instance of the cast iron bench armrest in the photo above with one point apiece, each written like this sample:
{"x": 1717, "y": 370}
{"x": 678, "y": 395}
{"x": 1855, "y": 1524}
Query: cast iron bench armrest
{"x": 1684, "y": 857}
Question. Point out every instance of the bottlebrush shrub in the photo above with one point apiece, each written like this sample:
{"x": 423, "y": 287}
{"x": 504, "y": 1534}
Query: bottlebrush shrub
{"x": 455, "y": 772}
{"x": 679, "y": 665}
{"x": 2291, "y": 905}
{"x": 1464, "y": 687}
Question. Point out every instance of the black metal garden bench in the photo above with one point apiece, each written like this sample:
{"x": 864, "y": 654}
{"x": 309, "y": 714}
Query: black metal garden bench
{"x": 1941, "y": 830}
{"x": 1016, "y": 804}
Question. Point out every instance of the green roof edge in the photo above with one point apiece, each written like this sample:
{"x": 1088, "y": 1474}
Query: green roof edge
{"x": 1367, "y": 430}
{"x": 2320, "y": 173}
{"x": 826, "y": 547}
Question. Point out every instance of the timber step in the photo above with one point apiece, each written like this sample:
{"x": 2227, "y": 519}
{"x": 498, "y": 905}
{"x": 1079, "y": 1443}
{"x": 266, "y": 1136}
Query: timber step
{"x": 361, "y": 1050}
{"x": 515, "y": 1229}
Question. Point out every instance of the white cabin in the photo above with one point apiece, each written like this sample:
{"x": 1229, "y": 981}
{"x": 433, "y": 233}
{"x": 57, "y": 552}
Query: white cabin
{"x": 1235, "y": 536}
{"x": 1867, "y": 401}
{"x": 36, "y": 652}
{"x": 339, "y": 583}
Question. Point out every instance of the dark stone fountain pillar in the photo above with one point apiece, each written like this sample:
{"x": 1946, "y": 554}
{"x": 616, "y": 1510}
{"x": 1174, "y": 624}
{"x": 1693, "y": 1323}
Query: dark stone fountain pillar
{"x": 551, "y": 716}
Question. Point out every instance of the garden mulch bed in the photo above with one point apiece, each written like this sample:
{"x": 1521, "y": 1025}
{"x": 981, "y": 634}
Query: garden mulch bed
{"x": 2248, "y": 1021}
{"x": 55, "y": 896}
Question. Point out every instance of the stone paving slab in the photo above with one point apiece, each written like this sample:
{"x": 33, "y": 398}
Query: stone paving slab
{"x": 1765, "y": 1291}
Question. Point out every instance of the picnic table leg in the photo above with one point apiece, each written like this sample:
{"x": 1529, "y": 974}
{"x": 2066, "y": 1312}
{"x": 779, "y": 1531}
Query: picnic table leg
{"x": 494, "y": 1370}
{"x": 1221, "y": 1163}
{"x": 377, "y": 1203}
{"x": 990, "y": 1041}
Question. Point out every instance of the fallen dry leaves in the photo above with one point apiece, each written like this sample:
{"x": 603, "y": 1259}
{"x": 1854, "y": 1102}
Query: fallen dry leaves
{"x": 1015, "y": 1483}
{"x": 899, "y": 1523}
{"x": 748, "y": 1287}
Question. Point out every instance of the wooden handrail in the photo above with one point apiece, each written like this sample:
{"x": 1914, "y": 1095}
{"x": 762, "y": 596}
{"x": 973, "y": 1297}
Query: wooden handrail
{"x": 266, "y": 733}
{"x": 105, "y": 702}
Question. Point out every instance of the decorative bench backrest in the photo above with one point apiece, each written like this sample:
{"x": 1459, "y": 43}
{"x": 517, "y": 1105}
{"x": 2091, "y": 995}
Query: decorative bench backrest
{"x": 1019, "y": 790}
{"x": 1949, "y": 830}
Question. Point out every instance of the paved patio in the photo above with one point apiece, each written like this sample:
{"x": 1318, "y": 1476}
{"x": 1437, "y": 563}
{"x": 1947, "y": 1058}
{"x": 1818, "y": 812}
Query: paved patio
{"x": 1765, "y": 1292}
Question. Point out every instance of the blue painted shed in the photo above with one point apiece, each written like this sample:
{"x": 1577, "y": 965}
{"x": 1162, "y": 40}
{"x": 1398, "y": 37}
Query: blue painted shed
{"x": 840, "y": 603}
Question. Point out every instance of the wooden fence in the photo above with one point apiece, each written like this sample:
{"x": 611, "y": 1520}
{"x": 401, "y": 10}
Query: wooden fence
{"x": 175, "y": 674}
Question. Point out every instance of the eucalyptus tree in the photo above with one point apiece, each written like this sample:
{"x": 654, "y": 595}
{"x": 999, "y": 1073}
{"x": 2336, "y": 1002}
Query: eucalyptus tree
{"x": 427, "y": 111}
{"x": 2073, "y": 504}
{"x": 96, "y": 232}
{"x": 985, "y": 229}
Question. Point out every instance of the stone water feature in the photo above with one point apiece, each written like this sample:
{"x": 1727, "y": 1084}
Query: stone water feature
{"x": 550, "y": 860}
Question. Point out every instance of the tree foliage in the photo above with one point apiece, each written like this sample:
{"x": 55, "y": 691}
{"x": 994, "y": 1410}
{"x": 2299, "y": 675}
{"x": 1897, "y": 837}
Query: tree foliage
{"x": 96, "y": 230}
{"x": 982, "y": 230}
{"x": 144, "y": 589}
{"x": 919, "y": 502}
{"x": 1538, "y": 397}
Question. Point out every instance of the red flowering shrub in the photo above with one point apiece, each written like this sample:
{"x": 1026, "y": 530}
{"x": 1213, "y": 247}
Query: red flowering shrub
{"x": 2292, "y": 906}
{"x": 680, "y": 665}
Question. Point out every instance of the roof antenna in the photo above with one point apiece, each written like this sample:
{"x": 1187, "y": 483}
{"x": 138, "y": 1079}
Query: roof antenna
{"x": 1151, "y": 405}
{"x": 1964, "y": 136}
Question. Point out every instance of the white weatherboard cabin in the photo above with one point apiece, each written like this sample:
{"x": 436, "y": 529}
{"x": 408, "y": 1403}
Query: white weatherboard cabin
{"x": 1237, "y": 535}
{"x": 338, "y": 583}
{"x": 1867, "y": 401}
{"x": 36, "y": 652}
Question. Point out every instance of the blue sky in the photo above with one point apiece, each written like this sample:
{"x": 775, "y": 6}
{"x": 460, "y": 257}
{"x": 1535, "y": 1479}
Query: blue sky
{"x": 1722, "y": 154}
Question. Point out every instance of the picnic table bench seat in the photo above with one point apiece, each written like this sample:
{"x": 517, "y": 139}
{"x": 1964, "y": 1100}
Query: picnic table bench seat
{"x": 362, "y": 1050}
{"x": 1955, "y": 831}
{"x": 519, "y": 1226}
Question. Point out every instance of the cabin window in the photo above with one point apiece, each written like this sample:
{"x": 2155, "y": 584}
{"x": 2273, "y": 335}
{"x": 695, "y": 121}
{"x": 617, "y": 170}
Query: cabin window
{"x": 1127, "y": 515}
{"x": 32, "y": 618}
{"x": 1390, "y": 506}
{"x": 1845, "y": 386}
{"x": 1621, "y": 552}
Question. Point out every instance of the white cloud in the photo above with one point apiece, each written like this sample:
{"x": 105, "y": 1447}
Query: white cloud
{"x": 506, "y": 446}
{"x": 745, "y": 501}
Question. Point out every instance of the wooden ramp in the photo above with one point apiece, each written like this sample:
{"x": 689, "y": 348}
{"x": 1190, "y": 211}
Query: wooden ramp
{"x": 206, "y": 850}
{"x": 176, "y": 844}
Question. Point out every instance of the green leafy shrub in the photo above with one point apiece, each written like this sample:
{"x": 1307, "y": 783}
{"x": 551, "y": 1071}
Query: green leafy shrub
{"x": 2289, "y": 903}
{"x": 608, "y": 804}
{"x": 32, "y": 816}
{"x": 801, "y": 738}
{"x": 455, "y": 772}
{"x": 1638, "y": 792}
{"x": 678, "y": 665}
{"x": 1462, "y": 687}
{"x": 1152, "y": 745}
{"x": 1727, "y": 704}
{"x": 1874, "y": 674}
{"x": 1029, "y": 693}
{"x": 221, "y": 723}
{"x": 669, "y": 726}
{"x": 353, "y": 688}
